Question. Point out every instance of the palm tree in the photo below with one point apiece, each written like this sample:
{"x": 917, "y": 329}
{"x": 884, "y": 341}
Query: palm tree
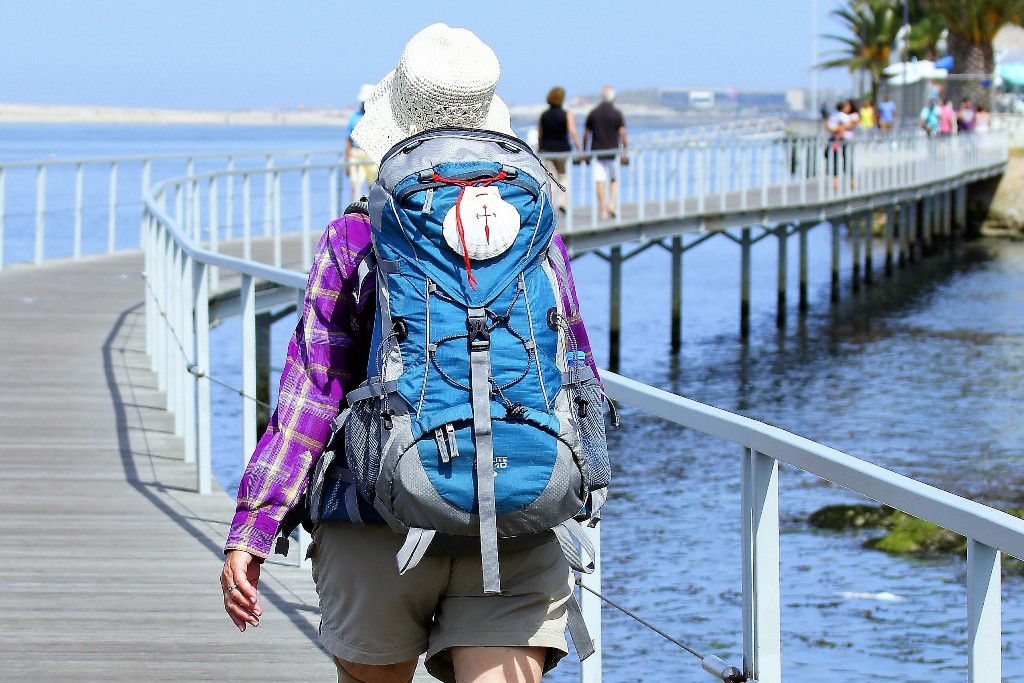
{"x": 972, "y": 25}
{"x": 871, "y": 27}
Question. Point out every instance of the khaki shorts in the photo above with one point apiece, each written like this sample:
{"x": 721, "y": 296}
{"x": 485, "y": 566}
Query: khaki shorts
{"x": 371, "y": 615}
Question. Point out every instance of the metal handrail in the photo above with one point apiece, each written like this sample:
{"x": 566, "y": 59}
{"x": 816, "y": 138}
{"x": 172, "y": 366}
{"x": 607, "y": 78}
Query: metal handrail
{"x": 178, "y": 277}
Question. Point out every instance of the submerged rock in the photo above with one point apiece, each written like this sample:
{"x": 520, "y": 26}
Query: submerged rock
{"x": 905, "y": 534}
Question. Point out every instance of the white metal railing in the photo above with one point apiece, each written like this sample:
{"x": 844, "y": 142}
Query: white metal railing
{"x": 67, "y": 208}
{"x": 679, "y": 178}
{"x": 180, "y": 271}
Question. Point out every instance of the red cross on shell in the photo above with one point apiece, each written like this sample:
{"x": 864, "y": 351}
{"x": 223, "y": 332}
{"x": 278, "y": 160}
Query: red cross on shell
{"x": 490, "y": 224}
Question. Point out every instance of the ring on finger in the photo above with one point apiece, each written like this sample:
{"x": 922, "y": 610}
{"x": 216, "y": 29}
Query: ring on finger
{"x": 231, "y": 588}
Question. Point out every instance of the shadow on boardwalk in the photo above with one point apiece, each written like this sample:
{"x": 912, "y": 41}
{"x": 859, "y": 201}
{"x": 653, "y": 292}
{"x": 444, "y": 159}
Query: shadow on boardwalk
{"x": 110, "y": 561}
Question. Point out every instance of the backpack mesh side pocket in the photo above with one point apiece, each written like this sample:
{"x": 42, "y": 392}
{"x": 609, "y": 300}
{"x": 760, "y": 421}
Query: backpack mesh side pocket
{"x": 590, "y": 415}
{"x": 363, "y": 431}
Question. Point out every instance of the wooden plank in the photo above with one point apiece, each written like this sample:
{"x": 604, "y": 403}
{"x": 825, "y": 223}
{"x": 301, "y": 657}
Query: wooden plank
{"x": 110, "y": 563}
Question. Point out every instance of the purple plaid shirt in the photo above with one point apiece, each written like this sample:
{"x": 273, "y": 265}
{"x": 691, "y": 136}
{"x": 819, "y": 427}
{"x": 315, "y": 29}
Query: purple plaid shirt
{"x": 326, "y": 359}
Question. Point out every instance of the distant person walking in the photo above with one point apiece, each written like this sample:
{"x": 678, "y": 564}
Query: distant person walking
{"x": 930, "y": 117}
{"x": 554, "y": 130}
{"x": 886, "y": 113}
{"x": 981, "y": 122}
{"x": 947, "y": 118}
{"x": 966, "y": 116}
{"x": 361, "y": 171}
{"x": 839, "y": 124}
{"x": 867, "y": 115}
{"x": 605, "y": 128}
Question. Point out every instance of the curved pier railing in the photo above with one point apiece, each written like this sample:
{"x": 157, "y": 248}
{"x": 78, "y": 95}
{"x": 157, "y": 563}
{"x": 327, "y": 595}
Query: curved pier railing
{"x": 181, "y": 272}
{"x": 70, "y": 208}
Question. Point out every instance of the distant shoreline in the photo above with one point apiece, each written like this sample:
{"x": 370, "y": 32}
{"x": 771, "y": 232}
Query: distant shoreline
{"x": 103, "y": 115}
{"x": 85, "y": 114}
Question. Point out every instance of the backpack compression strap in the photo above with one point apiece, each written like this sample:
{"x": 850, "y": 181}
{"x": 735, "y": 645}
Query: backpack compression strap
{"x": 480, "y": 395}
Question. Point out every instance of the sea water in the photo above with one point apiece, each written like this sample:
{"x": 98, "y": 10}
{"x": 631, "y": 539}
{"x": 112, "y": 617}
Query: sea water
{"x": 922, "y": 373}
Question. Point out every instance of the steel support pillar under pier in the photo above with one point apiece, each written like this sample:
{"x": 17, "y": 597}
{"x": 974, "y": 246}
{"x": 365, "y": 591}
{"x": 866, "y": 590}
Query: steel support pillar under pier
{"x": 615, "y": 308}
{"x": 782, "y": 233}
{"x": 263, "y": 321}
{"x": 835, "y": 261}
{"x": 745, "y": 244}
{"x": 804, "y": 254}
{"x": 677, "y": 293}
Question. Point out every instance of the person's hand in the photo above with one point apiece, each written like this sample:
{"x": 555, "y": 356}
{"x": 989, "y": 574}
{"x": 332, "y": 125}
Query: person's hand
{"x": 238, "y": 581}
{"x": 624, "y": 158}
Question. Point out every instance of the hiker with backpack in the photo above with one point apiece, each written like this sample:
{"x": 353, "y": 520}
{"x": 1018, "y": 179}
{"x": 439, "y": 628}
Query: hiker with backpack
{"x": 439, "y": 411}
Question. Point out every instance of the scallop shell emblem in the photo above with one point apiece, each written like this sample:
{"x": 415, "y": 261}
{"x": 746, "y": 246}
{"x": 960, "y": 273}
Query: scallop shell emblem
{"x": 489, "y": 222}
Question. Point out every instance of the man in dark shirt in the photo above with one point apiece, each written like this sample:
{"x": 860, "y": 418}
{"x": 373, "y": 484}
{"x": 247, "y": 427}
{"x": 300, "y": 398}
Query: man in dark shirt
{"x": 604, "y": 129}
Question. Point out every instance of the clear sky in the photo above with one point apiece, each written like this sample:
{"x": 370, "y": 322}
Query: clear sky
{"x": 237, "y": 54}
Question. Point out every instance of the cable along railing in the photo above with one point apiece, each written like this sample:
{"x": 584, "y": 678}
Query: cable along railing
{"x": 181, "y": 272}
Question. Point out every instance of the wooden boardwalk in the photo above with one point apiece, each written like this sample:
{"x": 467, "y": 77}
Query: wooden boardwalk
{"x": 110, "y": 563}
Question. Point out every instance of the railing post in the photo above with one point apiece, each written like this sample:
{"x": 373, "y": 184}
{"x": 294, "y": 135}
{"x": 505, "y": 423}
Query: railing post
{"x": 746, "y": 158}
{"x": 172, "y": 304}
{"x": 277, "y": 218}
{"x": 112, "y": 210}
{"x": 590, "y": 604}
{"x": 160, "y": 286}
{"x": 984, "y": 624}
{"x": 196, "y": 210}
{"x": 214, "y": 231}
{"x": 3, "y": 210}
{"x": 248, "y": 312}
{"x": 40, "y": 213}
{"x": 571, "y": 170}
{"x": 307, "y": 248}
{"x": 201, "y": 306}
{"x": 185, "y": 413}
{"x": 701, "y": 177}
{"x": 229, "y": 200}
{"x": 268, "y": 197}
{"x": 77, "y": 229}
{"x": 762, "y": 640}
{"x": 332, "y": 193}
{"x": 247, "y": 217}
{"x": 144, "y": 184}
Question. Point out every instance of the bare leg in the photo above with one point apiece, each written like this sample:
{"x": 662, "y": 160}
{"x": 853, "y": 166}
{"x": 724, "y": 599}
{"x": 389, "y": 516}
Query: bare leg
{"x": 351, "y": 672}
{"x": 601, "y": 203}
{"x": 613, "y": 196}
{"x": 498, "y": 664}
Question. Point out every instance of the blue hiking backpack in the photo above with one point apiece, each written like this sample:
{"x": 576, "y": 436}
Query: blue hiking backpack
{"x": 480, "y": 427}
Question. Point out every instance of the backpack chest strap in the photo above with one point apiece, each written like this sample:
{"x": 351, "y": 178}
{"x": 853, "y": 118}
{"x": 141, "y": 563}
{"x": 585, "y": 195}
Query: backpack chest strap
{"x": 480, "y": 396}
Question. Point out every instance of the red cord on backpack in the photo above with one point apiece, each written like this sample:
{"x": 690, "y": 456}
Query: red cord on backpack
{"x": 479, "y": 182}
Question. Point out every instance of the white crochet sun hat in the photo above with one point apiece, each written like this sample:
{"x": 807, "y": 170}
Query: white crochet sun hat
{"x": 446, "y": 77}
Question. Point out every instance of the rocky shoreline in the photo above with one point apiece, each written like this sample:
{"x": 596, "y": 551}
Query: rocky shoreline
{"x": 1006, "y": 212}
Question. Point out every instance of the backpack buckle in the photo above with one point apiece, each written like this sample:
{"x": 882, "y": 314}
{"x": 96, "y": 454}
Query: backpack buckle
{"x": 479, "y": 336}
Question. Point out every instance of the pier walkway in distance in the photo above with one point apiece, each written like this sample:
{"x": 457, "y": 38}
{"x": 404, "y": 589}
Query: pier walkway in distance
{"x": 110, "y": 559}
